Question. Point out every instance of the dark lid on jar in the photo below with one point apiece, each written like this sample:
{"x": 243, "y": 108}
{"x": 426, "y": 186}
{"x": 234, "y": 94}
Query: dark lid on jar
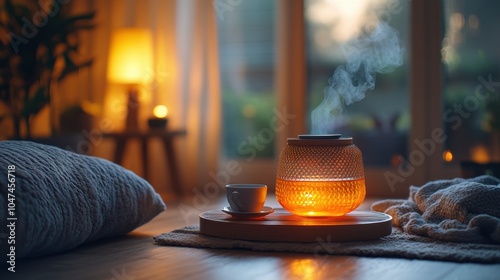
{"x": 320, "y": 140}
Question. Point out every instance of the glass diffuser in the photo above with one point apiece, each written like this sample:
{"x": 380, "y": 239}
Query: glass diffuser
{"x": 320, "y": 175}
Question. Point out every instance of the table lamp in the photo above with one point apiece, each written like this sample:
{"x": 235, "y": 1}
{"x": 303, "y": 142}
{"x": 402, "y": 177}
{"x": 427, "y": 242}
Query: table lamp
{"x": 130, "y": 62}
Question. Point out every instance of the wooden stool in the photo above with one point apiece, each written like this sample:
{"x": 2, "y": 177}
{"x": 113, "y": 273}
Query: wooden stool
{"x": 167, "y": 136}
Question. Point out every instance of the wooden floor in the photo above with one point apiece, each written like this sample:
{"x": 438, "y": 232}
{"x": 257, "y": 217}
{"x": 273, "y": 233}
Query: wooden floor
{"x": 135, "y": 256}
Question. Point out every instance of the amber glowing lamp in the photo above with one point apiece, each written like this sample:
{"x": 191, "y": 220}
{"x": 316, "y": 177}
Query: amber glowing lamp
{"x": 320, "y": 175}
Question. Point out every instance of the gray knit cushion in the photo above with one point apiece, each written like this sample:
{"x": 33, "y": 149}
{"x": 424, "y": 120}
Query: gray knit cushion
{"x": 62, "y": 199}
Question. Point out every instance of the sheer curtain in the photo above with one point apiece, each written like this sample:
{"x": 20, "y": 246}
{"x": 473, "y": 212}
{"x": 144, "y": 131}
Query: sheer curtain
{"x": 199, "y": 86}
{"x": 185, "y": 78}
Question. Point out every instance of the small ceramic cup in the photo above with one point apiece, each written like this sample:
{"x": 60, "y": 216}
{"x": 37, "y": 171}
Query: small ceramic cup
{"x": 246, "y": 197}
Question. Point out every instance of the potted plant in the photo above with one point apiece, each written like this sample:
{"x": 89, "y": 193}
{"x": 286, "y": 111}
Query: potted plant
{"x": 38, "y": 47}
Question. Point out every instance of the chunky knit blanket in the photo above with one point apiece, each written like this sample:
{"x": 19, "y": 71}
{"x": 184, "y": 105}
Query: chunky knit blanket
{"x": 457, "y": 210}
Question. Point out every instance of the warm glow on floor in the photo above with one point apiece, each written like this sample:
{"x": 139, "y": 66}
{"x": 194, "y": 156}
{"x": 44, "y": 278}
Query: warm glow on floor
{"x": 304, "y": 269}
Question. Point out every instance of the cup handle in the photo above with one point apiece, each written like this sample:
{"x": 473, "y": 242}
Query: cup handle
{"x": 235, "y": 198}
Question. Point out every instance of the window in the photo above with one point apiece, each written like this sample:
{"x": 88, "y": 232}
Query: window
{"x": 471, "y": 79}
{"x": 246, "y": 52}
{"x": 450, "y": 49}
{"x": 380, "y": 122}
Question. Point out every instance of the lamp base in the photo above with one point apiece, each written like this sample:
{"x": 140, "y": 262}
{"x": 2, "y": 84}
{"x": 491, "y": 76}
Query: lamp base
{"x": 132, "y": 120}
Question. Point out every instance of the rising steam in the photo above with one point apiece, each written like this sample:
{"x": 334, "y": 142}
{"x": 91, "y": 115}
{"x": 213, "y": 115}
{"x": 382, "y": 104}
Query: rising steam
{"x": 378, "y": 52}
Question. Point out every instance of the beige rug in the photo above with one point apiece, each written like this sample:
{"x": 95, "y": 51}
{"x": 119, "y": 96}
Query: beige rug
{"x": 396, "y": 245}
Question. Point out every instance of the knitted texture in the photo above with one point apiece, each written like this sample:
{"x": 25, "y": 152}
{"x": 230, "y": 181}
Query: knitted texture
{"x": 457, "y": 210}
{"x": 63, "y": 199}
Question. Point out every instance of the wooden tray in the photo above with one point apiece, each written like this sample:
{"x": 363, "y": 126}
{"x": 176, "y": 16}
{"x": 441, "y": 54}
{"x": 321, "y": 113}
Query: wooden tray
{"x": 282, "y": 226}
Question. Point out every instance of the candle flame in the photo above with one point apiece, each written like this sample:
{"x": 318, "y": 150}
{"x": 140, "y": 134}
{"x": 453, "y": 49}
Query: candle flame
{"x": 160, "y": 111}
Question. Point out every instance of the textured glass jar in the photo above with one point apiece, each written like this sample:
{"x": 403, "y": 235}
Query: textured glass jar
{"x": 320, "y": 176}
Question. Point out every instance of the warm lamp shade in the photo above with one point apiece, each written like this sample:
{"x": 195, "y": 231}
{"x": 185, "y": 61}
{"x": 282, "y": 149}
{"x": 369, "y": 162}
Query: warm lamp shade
{"x": 130, "y": 56}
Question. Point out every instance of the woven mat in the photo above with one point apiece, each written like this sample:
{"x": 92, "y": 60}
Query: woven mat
{"x": 396, "y": 245}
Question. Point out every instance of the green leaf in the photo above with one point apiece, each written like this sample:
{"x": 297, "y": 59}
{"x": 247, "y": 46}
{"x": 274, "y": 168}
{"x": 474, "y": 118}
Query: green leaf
{"x": 76, "y": 18}
{"x": 71, "y": 67}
